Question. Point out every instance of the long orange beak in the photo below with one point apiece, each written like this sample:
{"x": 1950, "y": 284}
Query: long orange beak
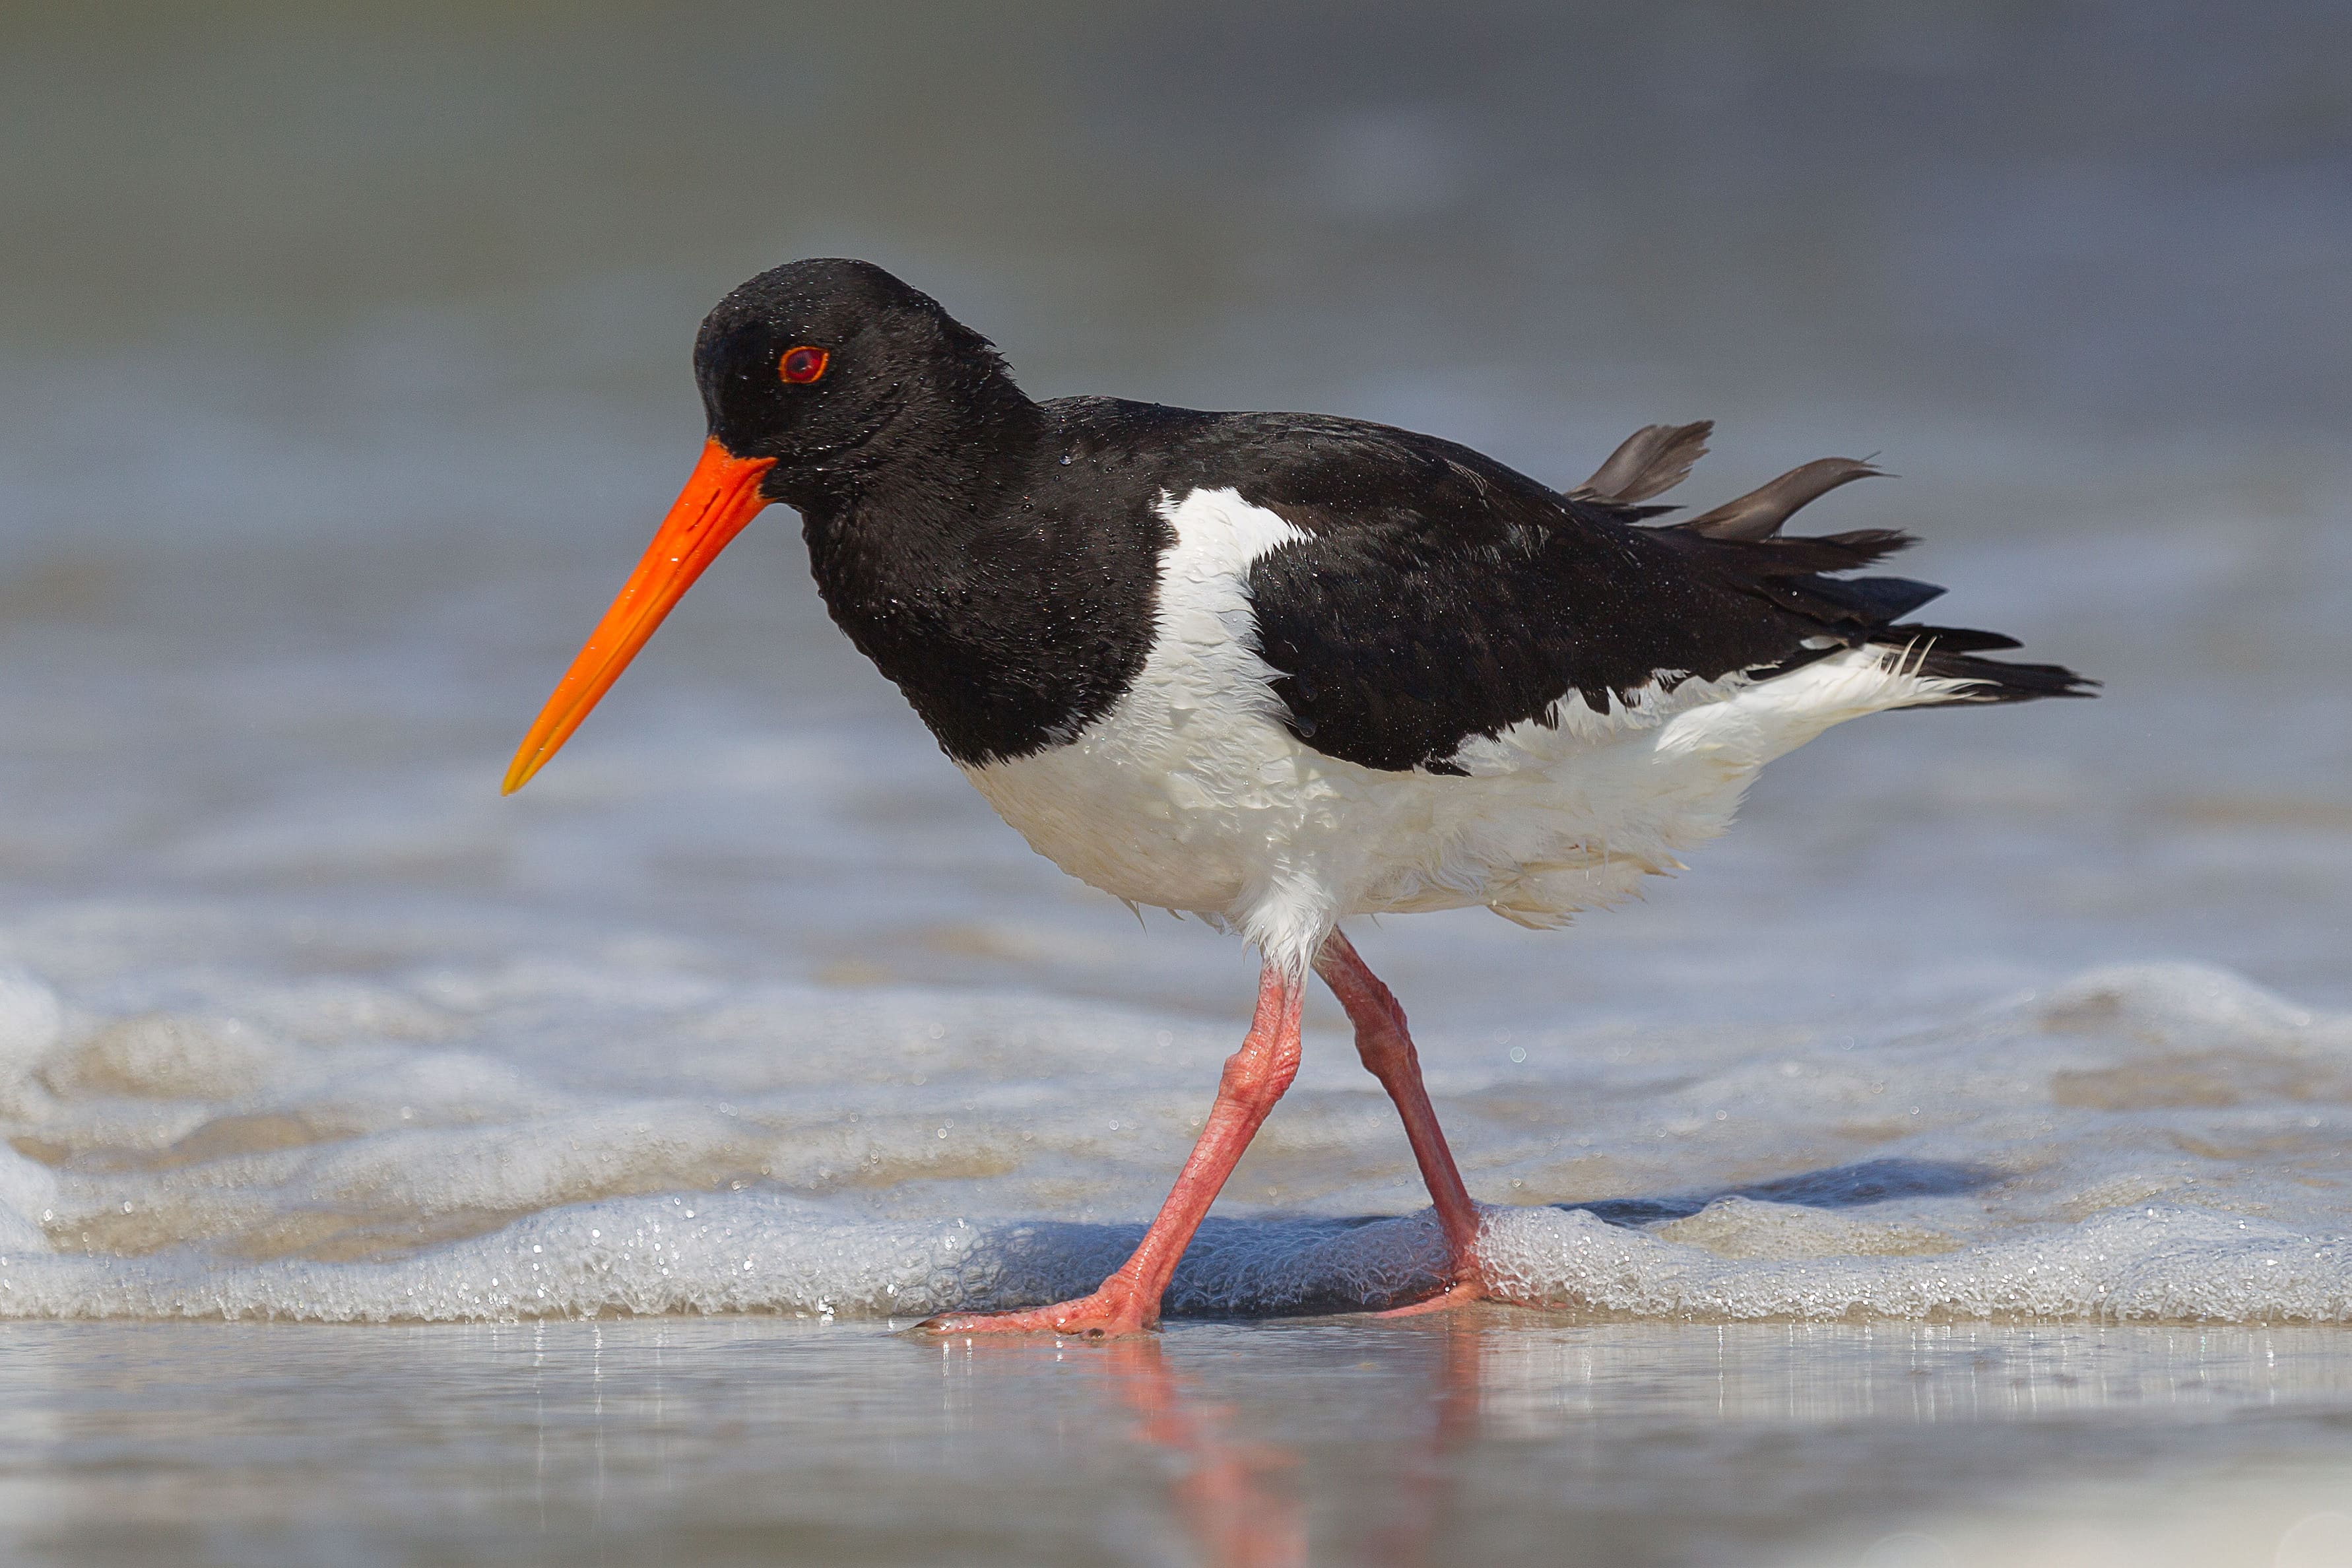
{"x": 721, "y": 497}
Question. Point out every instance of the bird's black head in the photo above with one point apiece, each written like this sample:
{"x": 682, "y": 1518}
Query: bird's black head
{"x": 820, "y": 378}
{"x": 832, "y": 367}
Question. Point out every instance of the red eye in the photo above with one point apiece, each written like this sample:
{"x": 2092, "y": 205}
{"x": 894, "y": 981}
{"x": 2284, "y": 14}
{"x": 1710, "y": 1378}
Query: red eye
{"x": 801, "y": 364}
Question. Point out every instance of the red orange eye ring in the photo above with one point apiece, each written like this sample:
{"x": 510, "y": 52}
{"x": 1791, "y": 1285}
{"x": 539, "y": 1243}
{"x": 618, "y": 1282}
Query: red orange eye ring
{"x": 801, "y": 364}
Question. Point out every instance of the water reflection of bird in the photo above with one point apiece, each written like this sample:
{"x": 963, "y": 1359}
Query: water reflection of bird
{"x": 1280, "y": 670}
{"x": 1233, "y": 1493}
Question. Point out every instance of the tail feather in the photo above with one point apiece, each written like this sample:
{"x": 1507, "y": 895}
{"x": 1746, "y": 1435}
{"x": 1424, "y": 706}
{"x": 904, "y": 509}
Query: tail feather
{"x": 1997, "y": 681}
{"x": 1950, "y": 639}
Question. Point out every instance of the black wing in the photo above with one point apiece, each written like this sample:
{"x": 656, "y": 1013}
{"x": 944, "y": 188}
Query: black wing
{"x": 1439, "y": 596}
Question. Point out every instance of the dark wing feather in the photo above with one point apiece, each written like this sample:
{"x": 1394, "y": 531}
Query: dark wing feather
{"x": 1759, "y": 514}
{"x": 1650, "y": 462}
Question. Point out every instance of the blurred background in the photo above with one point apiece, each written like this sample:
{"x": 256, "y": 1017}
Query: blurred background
{"x": 344, "y": 369}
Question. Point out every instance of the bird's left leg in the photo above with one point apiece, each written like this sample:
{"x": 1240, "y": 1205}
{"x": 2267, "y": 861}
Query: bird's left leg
{"x": 1129, "y": 1301}
{"x": 1386, "y": 1048}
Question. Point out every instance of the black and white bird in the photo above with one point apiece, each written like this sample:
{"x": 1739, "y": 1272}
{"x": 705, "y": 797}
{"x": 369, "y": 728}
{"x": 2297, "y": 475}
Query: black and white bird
{"x": 1278, "y": 670}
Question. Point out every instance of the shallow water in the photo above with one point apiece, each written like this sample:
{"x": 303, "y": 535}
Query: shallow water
{"x": 346, "y": 374}
{"x": 1506, "y": 1440}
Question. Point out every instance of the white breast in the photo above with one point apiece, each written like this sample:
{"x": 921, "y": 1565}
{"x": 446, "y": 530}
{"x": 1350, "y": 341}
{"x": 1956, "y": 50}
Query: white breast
{"x": 1191, "y": 795}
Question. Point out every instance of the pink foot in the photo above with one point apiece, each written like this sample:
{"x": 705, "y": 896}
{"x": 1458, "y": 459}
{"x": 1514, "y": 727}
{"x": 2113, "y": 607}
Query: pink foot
{"x": 1445, "y": 1301}
{"x": 1109, "y": 1311}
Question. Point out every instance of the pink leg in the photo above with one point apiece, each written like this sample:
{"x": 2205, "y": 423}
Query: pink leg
{"x": 1129, "y": 1301}
{"x": 1387, "y": 1049}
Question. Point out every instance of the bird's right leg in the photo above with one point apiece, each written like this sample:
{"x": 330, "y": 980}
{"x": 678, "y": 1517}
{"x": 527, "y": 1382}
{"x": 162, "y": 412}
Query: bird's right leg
{"x": 1386, "y": 1048}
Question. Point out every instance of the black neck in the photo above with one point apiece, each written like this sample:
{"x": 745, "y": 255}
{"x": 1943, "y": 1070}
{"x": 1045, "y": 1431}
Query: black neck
{"x": 1009, "y": 610}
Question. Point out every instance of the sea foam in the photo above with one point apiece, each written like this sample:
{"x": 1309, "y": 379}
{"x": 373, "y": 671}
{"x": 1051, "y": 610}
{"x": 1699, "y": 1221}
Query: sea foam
{"x": 2154, "y": 1143}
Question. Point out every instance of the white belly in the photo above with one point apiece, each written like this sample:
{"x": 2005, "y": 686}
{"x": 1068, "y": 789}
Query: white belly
{"x": 1191, "y": 795}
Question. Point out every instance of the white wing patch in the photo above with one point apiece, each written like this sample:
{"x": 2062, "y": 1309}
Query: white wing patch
{"x": 1204, "y": 662}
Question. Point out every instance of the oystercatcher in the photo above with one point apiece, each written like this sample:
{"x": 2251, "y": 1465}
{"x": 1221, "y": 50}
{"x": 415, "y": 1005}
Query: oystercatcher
{"x": 1280, "y": 670}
